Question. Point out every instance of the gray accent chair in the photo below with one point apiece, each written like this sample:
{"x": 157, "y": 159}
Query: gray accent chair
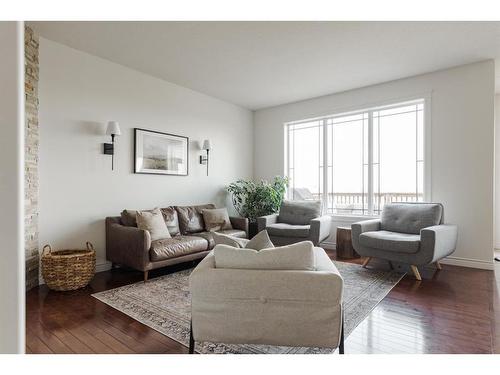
{"x": 297, "y": 221}
{"x": 411, "y": 233}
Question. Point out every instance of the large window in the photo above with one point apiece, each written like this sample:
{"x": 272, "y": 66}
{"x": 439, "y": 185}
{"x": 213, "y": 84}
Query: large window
{"x": 357, "y": 162}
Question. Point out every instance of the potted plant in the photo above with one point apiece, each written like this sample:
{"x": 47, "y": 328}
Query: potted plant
{"x": 253, "y": 199}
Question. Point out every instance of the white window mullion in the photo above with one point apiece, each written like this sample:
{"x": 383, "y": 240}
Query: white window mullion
{"x": 370, "y": 163}
{"x": 325, "y": 166}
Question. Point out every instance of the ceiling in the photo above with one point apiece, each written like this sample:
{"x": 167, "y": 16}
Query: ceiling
{"x": 262, "y": 64}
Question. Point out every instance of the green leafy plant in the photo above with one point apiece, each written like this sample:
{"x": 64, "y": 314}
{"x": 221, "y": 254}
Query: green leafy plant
{"x": 252, "y": 199}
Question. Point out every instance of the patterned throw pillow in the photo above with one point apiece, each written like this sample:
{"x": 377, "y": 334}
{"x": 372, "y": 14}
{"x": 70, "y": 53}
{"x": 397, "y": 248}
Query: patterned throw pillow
{"x": 153, "y": 222}
{"x": 216, "y": 219}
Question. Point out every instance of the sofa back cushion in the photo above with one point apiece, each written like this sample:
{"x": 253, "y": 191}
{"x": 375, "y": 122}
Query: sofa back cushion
{"x": 299, "y": 212}
{"x": 171, "y": 219}
{"x": 191, "y": 218}
{"x": 298, "y": 256}
{"x": 410, "y": 217}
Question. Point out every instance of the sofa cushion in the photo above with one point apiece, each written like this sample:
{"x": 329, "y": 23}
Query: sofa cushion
{"x": 209, "y": 236}
{"x": 288, "y": 230}
{"x": 299, "y": 212}
{"x": 216, "y": 219}
{"x": 391, "y": 241}
{"x": 171, "y": 219}
{"x": 410, "y": 217}
{"x": 153, "y": 222}
{"x": 191, "y": 218}
{"x": 299, "y": 256}
{"x": 176, "y": 246}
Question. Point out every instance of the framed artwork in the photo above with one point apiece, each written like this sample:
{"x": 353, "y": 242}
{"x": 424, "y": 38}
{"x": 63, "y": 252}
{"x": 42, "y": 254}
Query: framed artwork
{"x": 160, "y": 153}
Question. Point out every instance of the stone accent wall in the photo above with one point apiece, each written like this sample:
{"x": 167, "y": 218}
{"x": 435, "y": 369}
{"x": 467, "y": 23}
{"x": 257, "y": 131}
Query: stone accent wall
{"x": 31, "y": 158}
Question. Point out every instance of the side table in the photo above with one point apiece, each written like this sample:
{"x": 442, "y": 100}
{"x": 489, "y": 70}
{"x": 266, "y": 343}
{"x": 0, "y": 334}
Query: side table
{"x": 344, "y": 244}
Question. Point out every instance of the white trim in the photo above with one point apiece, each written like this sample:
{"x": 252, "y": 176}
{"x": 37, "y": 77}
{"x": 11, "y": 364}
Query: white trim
{"x": 470, "y": 263}
{"x": 328, "y": 245}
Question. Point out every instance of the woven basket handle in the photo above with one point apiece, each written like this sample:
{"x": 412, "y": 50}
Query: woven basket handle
{"x": 90, "y": 247}
{"x": 45, "y": 247}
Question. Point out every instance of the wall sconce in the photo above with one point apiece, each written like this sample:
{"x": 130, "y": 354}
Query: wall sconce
{"x": 109, "y": 148}
{"x": 207, "y": 148}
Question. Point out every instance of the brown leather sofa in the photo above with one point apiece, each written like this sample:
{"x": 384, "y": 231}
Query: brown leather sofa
{"x": 130, "y": 246}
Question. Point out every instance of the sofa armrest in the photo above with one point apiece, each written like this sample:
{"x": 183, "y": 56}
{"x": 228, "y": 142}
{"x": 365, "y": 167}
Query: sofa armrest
{"x": 127, "y": 245}
{"x": 320, "y": 229}
{"x": 240, "y": 223}
{"x": 264, "y": 221}
{"x": 439, "y": 240}
{"x": 361, "y": 227}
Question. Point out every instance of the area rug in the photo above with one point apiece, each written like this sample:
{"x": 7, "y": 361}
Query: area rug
{"x": 163, "y": 304}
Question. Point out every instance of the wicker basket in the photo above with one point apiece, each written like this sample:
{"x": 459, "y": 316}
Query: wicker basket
{"x": 68, "y": 269}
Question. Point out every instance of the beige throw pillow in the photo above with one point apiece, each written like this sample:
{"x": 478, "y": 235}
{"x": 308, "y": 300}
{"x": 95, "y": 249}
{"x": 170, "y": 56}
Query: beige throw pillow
{"x": 260, "y": 241}
{"x": 298, "y": 256}
{"x": 153, "y": 222}
{"x": 224, "y": 239}
{"x": 216, "y": 219}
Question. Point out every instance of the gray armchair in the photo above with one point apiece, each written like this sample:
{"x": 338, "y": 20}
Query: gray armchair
{"x": 297, "y": 221}
{"x": 411, "y": 233}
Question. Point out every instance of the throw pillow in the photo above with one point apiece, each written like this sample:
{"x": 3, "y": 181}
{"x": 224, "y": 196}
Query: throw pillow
{"x": 216, "y": 219}
{"x": 224, "y": 239}
{"x": 153, "y": 222}
{"x": 298, "y": 256}
{"x": 260, "y": 241}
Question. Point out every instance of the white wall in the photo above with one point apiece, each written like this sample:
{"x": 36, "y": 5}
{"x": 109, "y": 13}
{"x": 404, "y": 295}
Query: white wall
{"x": 462, "y": 145}
{"x": 497, "y": 171}
{"x": 78, "y": 94}
{"x": 11, "y": 187}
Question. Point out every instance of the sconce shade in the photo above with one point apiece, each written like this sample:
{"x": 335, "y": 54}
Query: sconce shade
{"x": 206, "y": 145}
{"x": 113, "y": 128}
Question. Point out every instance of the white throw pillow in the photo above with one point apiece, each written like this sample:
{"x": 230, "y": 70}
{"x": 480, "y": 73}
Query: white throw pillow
{"x": 224, "y": 239}
{"x": 153, "y": 222}
{"x": 298, "y": 256}
{"x": 260, "y": 241}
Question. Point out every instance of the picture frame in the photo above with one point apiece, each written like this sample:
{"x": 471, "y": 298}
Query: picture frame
{"x": 160, "y": 153}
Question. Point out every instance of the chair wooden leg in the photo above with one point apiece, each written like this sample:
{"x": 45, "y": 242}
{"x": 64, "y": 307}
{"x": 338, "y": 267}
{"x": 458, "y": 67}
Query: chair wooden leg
{"x": 191, "y": 339}
{"x": 146, "y": 274}
{"x": 341, "y": 345}
{"x": 416, "y": 273}
{"x": 366, "y": 261}
{"x": 438, "y": 265}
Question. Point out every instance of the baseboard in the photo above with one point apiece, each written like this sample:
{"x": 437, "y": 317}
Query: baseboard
{"x": 471, "y": 263}
{"x": 327, "y": 245}
{"x": 102, "y": 266}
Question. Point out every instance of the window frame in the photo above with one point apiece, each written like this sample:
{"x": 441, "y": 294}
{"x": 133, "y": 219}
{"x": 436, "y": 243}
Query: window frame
{"x": 387, "y": 104}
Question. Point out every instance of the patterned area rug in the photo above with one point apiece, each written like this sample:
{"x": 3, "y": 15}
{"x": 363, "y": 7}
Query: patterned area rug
{"x": 163, "y": 304}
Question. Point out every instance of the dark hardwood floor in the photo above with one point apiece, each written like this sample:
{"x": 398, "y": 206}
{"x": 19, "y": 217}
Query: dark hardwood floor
{"x": 456, "y": 310}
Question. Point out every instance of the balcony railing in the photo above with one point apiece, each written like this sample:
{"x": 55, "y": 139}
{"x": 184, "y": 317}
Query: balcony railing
{"x": 357, "y": 203}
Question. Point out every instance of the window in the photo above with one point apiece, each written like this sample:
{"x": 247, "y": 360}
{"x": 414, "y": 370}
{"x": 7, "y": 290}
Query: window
{"x": 357, "y": 162}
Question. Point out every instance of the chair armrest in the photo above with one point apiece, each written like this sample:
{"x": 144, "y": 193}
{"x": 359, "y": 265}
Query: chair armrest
{"x": 127, "y": 245}
{"x": 439, "y": 240}
{"x": 264, "y": 221}
{"x": 361, "y": 227}
{"x": 320, "y": 229}
{"x": 240, "y": 223}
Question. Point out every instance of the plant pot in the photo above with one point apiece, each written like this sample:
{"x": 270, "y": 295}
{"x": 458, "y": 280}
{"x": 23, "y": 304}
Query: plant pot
{"x": 252, "y": 230}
